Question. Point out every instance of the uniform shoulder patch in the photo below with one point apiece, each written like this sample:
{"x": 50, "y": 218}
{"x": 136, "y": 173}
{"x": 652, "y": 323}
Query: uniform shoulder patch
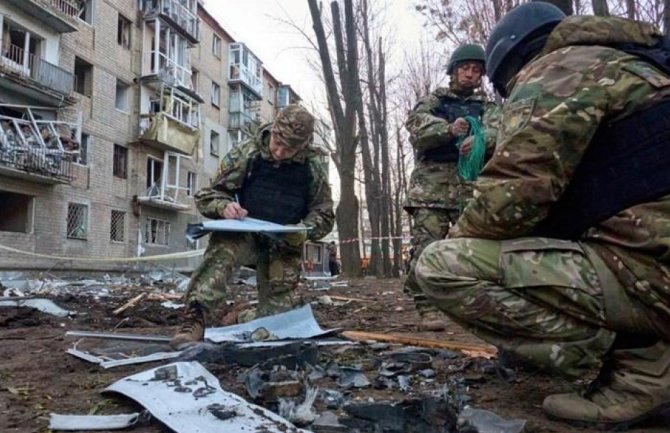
{"x": 516, "y": 115}
{"x": 648, "y": 73}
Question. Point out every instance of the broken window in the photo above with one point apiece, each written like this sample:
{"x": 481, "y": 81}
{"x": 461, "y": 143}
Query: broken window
{"x": 120, "y": 163}
{"x": 214, "y": 143}
{"x": 77, "y": 221}
{"x": 216, "y": 94}
{"x": 16, "y": 212}
{"x": 123, "y": 30}
{"x": 194, "y": 80}
{"x": 157, "y": 232}
{"x": 83, "y": 77}
{"x": 122, "y": 96}
{"x": 154, "y": 176}
{"x": 82, "y": 157}
{"x": 191, "y": 183}
{"x": 216, "y": 46}
{"x": 86, "y": 11}
{"x": 20, "y": 48}
{"x": 117, "y": 226}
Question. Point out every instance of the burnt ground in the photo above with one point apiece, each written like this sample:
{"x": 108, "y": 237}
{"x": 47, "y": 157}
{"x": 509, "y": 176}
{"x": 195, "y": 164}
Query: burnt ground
{"x": 38, "y": 377}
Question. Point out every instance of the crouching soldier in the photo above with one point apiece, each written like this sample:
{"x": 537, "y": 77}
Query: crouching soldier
{"x": 278, "y": 178}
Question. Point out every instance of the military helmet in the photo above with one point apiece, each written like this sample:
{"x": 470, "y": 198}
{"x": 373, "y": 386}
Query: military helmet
{"x": 464, "y": 53}
{"x": 294, "y": 126}
{"x": 516, "y": 38}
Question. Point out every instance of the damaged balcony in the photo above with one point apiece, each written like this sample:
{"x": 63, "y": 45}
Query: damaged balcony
{"x": 245, "y": 68}
{"x": 41, "y": 151}
{"x": 285, "y": 96}
{"x": 170, "y": 121}
{"x": 182, "y": 15}
{"x": 166, "y": 58}
{"x": 243, "y": 109}
{"x": 28, "y": 74}
{"x": 58, "y": 15}
{"x": 163, "y": 184}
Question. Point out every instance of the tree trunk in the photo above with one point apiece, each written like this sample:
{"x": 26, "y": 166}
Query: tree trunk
{"x": 344, "y": 124}
{"x": 564, "y": 5}
{"x": 666, "y": 16}
{"x": 600, "y": 8}
{"x": 371, "y": 195}
{"x": 398, "y": 263}
{"x": 382, "y": 128}
{"x": 630, "y": 9}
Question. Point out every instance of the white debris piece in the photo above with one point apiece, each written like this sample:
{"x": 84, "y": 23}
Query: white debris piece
{"x": 91, "y": 422}
{"x": 188, "y": 399}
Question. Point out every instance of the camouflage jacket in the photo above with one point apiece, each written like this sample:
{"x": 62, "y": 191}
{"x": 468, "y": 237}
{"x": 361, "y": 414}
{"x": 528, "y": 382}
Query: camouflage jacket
{"x": 233, "y": 169}
{"x": 555, "y": 106}
{"x": 437, "y": 184}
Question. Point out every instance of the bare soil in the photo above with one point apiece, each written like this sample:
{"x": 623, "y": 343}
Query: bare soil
{"x": 38, "y": 377}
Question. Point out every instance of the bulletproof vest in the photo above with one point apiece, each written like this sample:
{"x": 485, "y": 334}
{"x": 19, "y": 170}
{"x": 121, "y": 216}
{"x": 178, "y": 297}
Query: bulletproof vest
{"x": 277, "y": 192}
{"x": 451, "y": 109}
{"x": 626, "y": 163}
{"x": 658, "y": 55}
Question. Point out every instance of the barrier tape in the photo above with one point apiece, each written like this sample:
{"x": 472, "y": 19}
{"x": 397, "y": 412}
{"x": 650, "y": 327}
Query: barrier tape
{"x": 170, "y": 256}
{"x": 379, "y": 238}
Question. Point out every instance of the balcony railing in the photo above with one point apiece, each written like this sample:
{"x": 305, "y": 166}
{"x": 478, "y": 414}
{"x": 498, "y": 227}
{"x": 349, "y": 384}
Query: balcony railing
{"x": 240, "y": 73}
{"x": 58, "y": 15}
{"x": 169, "y": 71}
{"x": 183, "y": 18}
{"x": 39, "y": 70}
{"x": 67, "y": 7}
{"x": 241, "y": 120}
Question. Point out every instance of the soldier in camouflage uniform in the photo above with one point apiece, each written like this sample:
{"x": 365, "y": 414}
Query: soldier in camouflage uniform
{"x": 277, "y": 177}
{"x": 436, "y": 193}
{"x": 563, "y": 256}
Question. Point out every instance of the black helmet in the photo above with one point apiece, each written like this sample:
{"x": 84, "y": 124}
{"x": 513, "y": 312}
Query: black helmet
{"x": 516, "y": 38}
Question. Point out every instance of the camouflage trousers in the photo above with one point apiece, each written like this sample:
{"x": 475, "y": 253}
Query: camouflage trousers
{"x": 540, "y": 299}
{"x": 428, "y": 225}
{"x": 277, "y": 271}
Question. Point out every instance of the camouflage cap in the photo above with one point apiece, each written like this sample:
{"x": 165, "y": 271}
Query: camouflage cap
{"x": 294, "y": 126}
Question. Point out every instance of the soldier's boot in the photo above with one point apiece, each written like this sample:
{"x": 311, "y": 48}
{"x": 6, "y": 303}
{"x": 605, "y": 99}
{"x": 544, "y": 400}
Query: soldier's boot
{"x": 193, "y": 327}
{"x": 431, "y": 320}
{"x": 634, "y": 386}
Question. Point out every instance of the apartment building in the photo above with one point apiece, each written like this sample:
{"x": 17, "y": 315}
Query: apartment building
{"x": 112, "y": 114}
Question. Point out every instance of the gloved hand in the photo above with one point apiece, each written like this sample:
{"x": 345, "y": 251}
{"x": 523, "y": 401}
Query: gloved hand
{"x": 296, "y": 239}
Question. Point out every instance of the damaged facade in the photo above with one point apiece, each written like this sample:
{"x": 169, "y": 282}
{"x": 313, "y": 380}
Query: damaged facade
{"x": 112, "y": 114}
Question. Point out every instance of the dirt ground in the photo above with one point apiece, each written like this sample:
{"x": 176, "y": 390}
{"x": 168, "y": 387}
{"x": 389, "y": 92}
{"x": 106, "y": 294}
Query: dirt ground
{"x": 38, "y": 377}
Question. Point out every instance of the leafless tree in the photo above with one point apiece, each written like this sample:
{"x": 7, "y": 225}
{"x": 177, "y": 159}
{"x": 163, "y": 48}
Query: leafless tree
{"x": 600, "y": 7}
{"x": 343, "y": 103}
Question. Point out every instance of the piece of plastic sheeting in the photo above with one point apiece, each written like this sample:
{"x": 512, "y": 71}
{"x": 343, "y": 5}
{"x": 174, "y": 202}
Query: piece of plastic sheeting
{"x": 290, "y": 325}
{"x": 488, "y": 422}
{"x": 41, "y": 304}
{"x": 110, "y": 363}
{"x": 188, "y": 399}
{"x": 91, "y": 422}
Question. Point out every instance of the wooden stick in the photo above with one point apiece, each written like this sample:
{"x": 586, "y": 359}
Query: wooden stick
{"x": 344, "y": 298}
{"x": 129, "y": 304}
{"x": 470, "y": 350}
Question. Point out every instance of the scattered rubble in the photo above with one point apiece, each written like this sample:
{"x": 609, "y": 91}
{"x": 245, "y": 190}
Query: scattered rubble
{"x": 380, "y": 379}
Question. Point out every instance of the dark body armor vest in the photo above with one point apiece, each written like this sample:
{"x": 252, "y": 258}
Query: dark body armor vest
{"x": 626, "y": 163}
{"x": 277, "y": 192}
{"x": 451, "y": 109}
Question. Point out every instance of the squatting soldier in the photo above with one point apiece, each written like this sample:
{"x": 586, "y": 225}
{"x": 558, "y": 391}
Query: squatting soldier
{"x": 563, "y": 256}
{"x": 436, "y": 193}
{"x": 277, "y": 177}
